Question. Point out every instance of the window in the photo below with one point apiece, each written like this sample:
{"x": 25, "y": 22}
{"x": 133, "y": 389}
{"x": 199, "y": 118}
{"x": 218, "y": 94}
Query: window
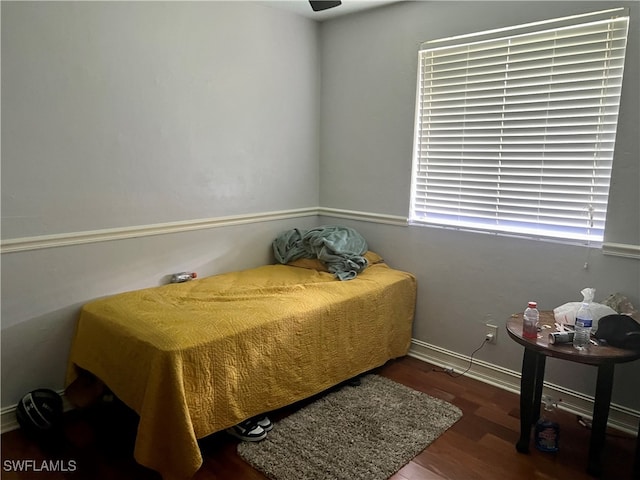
{"x": 515, "y": 128}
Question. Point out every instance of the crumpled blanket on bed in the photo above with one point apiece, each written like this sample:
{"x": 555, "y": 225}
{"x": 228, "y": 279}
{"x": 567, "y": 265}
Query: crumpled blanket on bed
{"x": 197, "y": 357}
{"x": 340, "y": 248}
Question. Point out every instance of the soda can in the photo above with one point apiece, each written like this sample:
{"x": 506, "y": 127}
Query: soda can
{"x": 556, "y": 338}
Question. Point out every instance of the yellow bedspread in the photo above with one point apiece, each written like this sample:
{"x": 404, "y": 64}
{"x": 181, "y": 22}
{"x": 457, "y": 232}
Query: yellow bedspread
{"x": 197, "y": 357}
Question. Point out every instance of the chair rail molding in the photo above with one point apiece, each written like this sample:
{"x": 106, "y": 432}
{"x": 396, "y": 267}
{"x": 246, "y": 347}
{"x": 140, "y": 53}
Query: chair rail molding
{"x": 621, "y": 250}
{"x": 104, "y": 235}
{"x": 38, "y": 242}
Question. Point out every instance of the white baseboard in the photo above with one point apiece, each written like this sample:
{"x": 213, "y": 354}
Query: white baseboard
{"x": 620, "y": 418}
{"x": 8, "y": 420}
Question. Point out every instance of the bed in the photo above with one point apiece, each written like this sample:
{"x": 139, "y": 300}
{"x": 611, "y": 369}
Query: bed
{"x": 197, "y": 357}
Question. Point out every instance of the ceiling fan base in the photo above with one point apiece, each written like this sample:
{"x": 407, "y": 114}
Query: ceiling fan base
{"x": 319, "y": 5}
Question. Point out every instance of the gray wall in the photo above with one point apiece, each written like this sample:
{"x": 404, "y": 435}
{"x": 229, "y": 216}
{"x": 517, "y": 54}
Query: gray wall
{"x": 129, "y": 114}
{"x": 368, "y": 84}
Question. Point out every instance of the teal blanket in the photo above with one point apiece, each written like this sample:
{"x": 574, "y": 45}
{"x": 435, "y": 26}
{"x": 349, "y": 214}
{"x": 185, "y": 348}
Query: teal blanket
{"x": 341, "y": 249}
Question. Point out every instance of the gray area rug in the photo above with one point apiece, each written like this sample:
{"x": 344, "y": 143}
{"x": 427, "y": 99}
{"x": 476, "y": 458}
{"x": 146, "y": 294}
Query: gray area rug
{"x": 363, "y": 432}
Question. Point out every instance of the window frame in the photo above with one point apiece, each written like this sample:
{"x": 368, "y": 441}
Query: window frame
{"x": 593, "y": 216}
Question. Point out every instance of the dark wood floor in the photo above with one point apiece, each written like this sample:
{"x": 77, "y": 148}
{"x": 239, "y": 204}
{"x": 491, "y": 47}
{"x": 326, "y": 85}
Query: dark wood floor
{"x": 99, "y": 441}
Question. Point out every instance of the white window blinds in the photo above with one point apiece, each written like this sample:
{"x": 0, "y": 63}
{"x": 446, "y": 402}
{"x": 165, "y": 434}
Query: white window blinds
{"x": 515, "y": 129}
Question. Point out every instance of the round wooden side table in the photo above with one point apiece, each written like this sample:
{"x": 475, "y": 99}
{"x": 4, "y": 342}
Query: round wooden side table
{"x": 533, "y": 363}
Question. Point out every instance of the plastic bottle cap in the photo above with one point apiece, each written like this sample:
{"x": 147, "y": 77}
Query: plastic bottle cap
{"x": 533, "y": 304}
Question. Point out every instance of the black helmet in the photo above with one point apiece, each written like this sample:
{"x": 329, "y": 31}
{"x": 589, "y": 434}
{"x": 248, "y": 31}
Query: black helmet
{"x": 40, "y": 411}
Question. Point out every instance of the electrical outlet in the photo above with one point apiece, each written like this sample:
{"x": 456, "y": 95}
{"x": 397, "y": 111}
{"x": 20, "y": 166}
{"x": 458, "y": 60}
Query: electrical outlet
{"x": 491, "y": 333}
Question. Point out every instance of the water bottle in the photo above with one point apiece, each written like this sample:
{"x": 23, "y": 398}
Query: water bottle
{"x": 530, "y": 322}
{"x": 183, "y": 277}
{"x": 584, "y": 321}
